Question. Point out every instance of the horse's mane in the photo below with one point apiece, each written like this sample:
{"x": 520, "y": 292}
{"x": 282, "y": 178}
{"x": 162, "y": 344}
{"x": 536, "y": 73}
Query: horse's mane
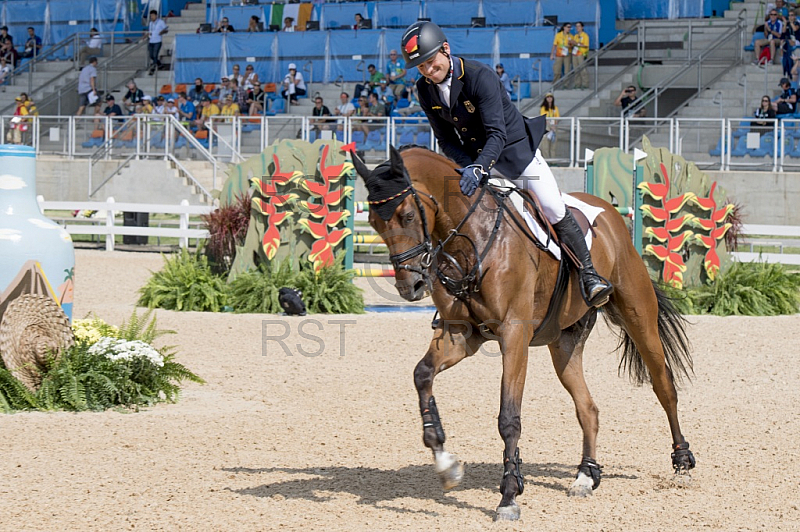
{"x": 405, "y": 147}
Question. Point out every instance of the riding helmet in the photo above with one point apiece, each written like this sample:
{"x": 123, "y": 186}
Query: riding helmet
{"x": 421, "y": 41}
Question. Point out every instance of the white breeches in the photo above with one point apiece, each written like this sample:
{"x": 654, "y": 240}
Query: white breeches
{"x": 539, "y": 179}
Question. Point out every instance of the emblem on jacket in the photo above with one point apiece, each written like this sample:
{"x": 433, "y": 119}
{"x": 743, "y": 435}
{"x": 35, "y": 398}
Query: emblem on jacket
{"x": 469, "y": 106}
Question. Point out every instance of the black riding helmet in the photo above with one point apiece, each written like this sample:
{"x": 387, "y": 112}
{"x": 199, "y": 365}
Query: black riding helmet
{"x": 421, "y": 41}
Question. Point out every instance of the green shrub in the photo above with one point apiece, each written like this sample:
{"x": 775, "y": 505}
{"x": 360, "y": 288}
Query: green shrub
{"x": 330, "y": 290}
{"x": 121, "y": 370}
{"x": 257, "y": 291}
{"x": 185, "y": 283}
{"x": 744, "y": 289}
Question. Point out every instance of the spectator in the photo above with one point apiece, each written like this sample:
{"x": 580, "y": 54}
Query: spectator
{"x": 791, "y": 40}
{"x": 5, "y": 73}
{"x": 93, "y": 47}
{"x": 362, "y": 111}
{"x": 253, "y": 26}
{"x": 626, "y": 99}
{"x": 375, "y": 76}
{"x": 773, "y": 29}
{"x": 229, "y": 107}
{"x": 346, "y": 108}
{"x": 550, "y": 110}
{"x": 256, "y": 100}
{"x": 155, "y": 31}
{"x": 765, "y": 110}
{"x": 320, "y": 109}
{"x": 224, "y": 88}
{"x": 147, "y": 105}
{"x": 288, "y": 24}
{"x": 198, "y": 91}
{"x": 4, "y": 36}
{"x": 385, "y": 94}
{"x": 293, "y": 84}
{"x": 250, "y": 78}
{"x": 781, "y": 9}
{"x": 87, "y": 86}
{"x": 359, "y": 21}
{"x": 239, "y": 96}
{"x": 17, "y": 126}
{"x": 9, "y": 53}
{"x": 560, "y": 52}
{"x": 396, "y": 72}
{"x": 160, "y": 105}
{"x": 236, "y": 74}
{"x": 33, "y": 46}
{"x": 786, "y": 101}
{"x": 132, "y": 97}
{"x": 186, "y": 109}
{"x": 376, "y": 107}
{"x": 224, "y": 26}
{"x": 111, "y": 110}
{"x": 504, "y": 79}
{"x": 580, "y": 48}
{"x": 208, "y": 110}
{"x": 413, "y": 103}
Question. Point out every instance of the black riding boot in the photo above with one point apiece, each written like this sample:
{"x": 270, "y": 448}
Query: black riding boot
{"x": 594, "y": 289}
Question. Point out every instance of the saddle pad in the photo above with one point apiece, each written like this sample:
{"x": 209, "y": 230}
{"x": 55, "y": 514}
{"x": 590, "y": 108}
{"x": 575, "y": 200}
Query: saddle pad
{"x": 589, "y": 211}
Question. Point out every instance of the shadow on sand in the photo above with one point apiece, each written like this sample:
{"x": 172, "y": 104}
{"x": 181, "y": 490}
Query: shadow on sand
{"x": 378, "y": 487}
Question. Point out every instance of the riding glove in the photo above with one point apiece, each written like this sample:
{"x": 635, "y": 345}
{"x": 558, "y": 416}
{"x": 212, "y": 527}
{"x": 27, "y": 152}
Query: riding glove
{"x": 470, "y": 178}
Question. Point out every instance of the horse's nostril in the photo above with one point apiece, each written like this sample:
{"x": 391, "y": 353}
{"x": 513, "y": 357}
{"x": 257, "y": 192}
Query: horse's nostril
{"x": 419, "y": 285}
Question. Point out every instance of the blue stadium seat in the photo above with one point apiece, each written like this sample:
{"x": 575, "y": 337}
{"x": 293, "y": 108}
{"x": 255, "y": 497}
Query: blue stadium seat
{"x": 406, "y": 136}
{"x": 402, "y": 103}
{"x": 740, "y": 150}
{"x": 743, "y": 129}
{"x": 92, "y": 143}
{"x": 716, "y": 152}
{"x": 374, "y": 141}
{"x": 358, "y": 137}
{"x": 424, "y": 138}
{"x": 765, "y": 148}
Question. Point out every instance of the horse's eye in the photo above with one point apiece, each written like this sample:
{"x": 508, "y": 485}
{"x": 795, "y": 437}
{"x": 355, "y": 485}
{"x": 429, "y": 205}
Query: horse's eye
{"x": 408, "y": 217}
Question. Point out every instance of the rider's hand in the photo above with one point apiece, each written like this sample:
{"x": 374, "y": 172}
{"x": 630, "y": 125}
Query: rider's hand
{"x": 470, "y": 178}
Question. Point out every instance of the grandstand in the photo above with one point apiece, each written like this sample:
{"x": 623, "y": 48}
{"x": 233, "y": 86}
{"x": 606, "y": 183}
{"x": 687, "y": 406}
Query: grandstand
{"x": 689, "y": 60}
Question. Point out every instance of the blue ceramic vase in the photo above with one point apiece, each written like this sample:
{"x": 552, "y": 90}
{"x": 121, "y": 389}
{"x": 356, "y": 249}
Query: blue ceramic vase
{"x": 36, "y": 254}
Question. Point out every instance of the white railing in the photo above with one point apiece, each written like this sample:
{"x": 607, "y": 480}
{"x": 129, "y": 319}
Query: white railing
{"x": 710, "y": 143}
{"x": 769, "y": 236}
{"x": 107, "y": 225}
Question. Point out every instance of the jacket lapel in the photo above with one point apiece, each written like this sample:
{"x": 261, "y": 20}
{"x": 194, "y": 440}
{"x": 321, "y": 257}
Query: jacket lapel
{"x": 456, "y": 81}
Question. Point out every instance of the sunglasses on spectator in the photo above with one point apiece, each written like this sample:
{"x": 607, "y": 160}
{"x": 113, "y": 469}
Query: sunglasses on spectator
{"x": 773, "y": 14}
{"x": 249, "y": 68}
{"x": 765, "y": 100}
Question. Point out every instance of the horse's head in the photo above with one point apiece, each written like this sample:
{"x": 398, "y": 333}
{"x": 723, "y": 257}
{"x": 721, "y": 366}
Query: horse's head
{"x": 397, "y": 211}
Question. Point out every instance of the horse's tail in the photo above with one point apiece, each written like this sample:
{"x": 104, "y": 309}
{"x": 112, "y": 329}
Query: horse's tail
{"x": 671, "y": 330}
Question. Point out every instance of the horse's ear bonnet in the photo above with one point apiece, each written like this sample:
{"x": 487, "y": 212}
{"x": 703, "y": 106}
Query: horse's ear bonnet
{"x": 387, "y": 185}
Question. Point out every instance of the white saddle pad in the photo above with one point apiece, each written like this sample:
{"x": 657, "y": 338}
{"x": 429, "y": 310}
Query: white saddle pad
{"x": 590, "y": 211}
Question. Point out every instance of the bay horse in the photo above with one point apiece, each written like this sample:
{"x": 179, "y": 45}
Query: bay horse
{"x": 489, "y": 281}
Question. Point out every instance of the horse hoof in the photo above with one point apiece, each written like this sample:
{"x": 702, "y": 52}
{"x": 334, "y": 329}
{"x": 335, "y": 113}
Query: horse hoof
{"x": 582, "y": 487}
{"x": 449, "y": 469}
{"x": 507, "y": 513}
{"x": 682, "y": 479}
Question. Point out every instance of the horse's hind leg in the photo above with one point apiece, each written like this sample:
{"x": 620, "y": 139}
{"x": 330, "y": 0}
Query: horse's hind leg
{"x": 567, "y": 355}
{"x": 450, "y": 345}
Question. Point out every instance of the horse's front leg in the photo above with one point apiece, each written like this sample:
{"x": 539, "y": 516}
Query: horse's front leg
{"x": 514, "y": 343}
{"x": 451, "y": 344}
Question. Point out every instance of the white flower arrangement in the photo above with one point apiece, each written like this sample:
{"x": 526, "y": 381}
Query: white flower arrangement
{"x": 117, "y": 350}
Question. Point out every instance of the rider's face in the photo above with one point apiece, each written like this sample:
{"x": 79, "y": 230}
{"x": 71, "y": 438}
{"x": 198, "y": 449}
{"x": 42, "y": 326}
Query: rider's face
{"x": 437, "y": 67}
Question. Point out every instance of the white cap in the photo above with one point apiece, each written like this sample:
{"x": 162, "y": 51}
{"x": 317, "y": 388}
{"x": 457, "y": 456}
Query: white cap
{"x": 147, "y": 97}
{"x": 292, "y": 66}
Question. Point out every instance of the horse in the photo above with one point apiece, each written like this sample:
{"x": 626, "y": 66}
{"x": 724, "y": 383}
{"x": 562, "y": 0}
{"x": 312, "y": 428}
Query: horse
{"x": 490, "y": 280}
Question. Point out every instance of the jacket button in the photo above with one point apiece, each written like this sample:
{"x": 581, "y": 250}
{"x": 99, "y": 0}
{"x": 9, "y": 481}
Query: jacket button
{"x": 480, "y": 150}
{"x": 473, "y": 140}
{"x": 463, "y": 129}
{"x": 455, "y": 118}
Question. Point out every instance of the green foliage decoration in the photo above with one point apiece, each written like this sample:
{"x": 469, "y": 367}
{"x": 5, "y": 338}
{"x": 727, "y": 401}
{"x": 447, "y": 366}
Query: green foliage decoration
{"x": 257, "y": 291}
{"x": 744, "y": 289}
{"x": 185, "y": 283}
{"x": 107, "y": 367}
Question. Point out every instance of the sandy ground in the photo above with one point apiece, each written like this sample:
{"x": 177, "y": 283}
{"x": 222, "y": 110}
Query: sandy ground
{"x": 279, "y": 440}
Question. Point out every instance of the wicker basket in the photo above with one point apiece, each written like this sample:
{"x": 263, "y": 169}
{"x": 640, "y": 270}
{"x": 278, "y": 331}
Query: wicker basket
{"x": 32, "y": 327}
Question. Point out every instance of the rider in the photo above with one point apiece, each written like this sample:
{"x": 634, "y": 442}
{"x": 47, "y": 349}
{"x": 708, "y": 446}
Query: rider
{"x": 481, "y": 130}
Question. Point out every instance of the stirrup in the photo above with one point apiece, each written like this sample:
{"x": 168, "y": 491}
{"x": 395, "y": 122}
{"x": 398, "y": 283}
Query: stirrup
{"x": 600, "y": 298}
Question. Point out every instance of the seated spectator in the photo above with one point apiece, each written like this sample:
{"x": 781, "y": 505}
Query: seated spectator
{"x": 782, "y": 9}
{"x": 253, "y": 24}
{"x": 132, "y": 97}
{"x": 320, "y": 110}
{"x": 93, "y": 47}
{"x": 224, "y": 26}
{"x": 791, "y": 41}
{"x": 375, "y": 77}
{"x": 147, "y": 105}
{"x": 236, "y": 74}
{"x": 160, "y": 106}
{"x": 229, "y": 106}
{"x": 186, "y": 109}
{"x": 224, "y": 88}
{"x": 504, "y": 79}
{"x": 33, "y": 46}
{"x": 288, "y": 24}
{"x": 111, "y": 109}
{"x": 197, "y": 92}
{"x": 413, "y": 103}
{"x": 239, "y": 96}
{"x": 10, "y": 54}
{"x": 362, "y": 111}
{"x": 765, "y": 110}
{"x": 250, "y": 78}
{"x": 376, "y": 107}
{"x": 773, "y": 29}
{"x": 786, "y": 102}
{"x": 359, "y": 21}
{"x": 171, "y": 109}
{"x": 626, "y": 99}
{"x": 396, "y": 72}
{"x": 5, "y": 73}
{"x": 293, "y": 84}
{"x": 385, "y": 94}
{"x": 346, "y": 108}
{"x": 256, "y": 100}
{"x": 208, "y": 110}
{"x": 4, "y": 36}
